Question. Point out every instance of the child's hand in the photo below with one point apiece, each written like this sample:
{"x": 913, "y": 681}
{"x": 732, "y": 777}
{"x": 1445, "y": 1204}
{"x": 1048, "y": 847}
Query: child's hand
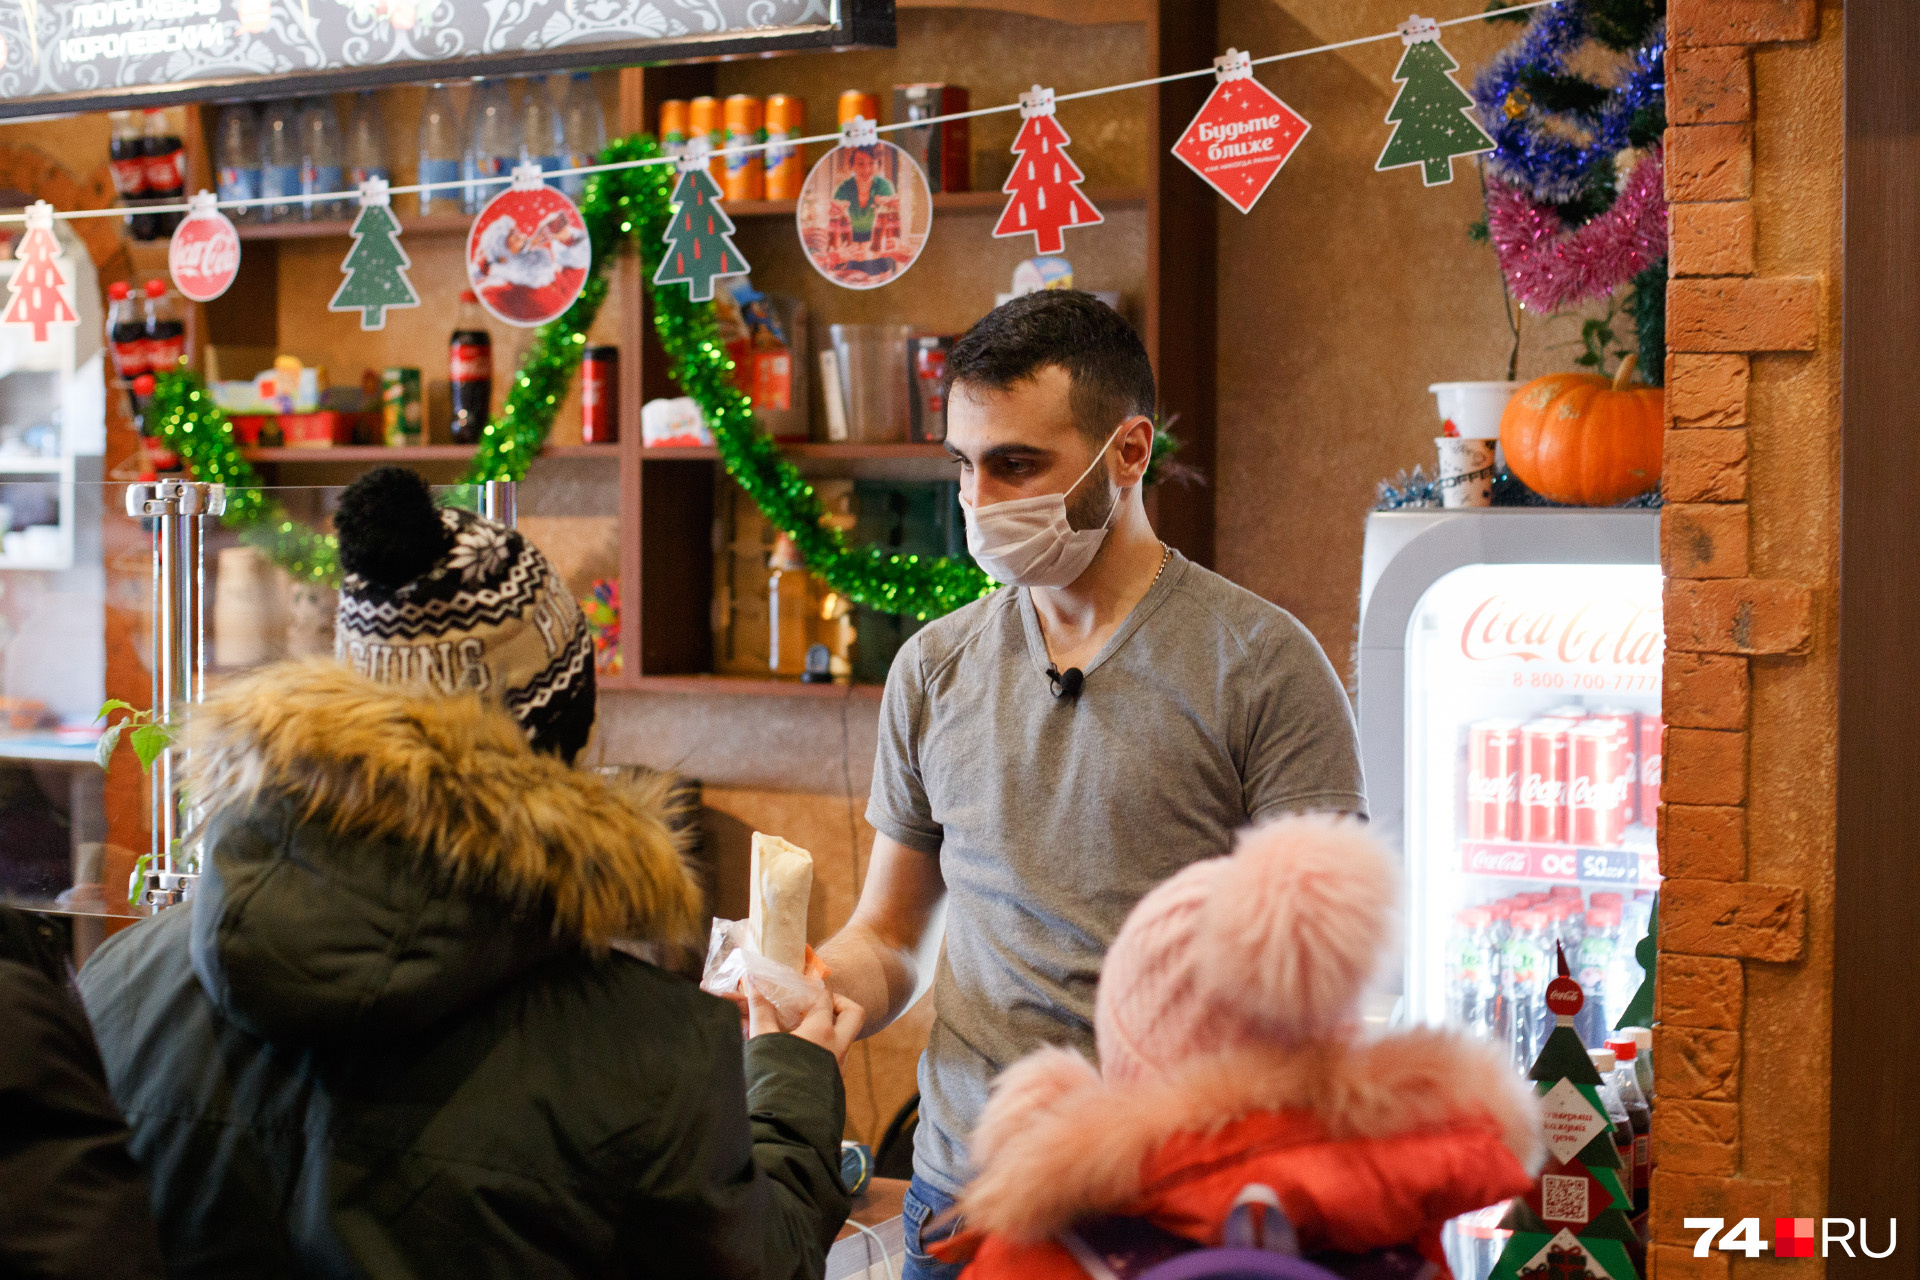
{"x": 832, "y": 1023}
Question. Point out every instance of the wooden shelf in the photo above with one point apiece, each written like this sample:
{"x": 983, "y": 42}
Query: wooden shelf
{"x": 675, "y": 453}
{"x": 413, "y": 453}
{"x": 438, "y": 224}
{"x": 747, "y": 686}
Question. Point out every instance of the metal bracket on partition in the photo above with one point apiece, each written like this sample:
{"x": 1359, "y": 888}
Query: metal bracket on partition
{"x": 177, "y": 510}
{"x": 499, "y": 501}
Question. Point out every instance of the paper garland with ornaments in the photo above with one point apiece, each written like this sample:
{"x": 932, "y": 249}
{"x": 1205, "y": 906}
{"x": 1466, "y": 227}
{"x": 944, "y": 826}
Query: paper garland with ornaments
{"x": 38, "y": 285}
{"x": 1573, "y": 1224}
{"x": 700, "y": 247}
{"x": 203, "y": 257}
{"x": 1044, "y": 196}
{"x": 865, "y": 210}
{"x": 528, "y": 252}
{"x": 1429, "y": 115}
{"x": 376, "y": 266}
{"x": 1241, "y": 135}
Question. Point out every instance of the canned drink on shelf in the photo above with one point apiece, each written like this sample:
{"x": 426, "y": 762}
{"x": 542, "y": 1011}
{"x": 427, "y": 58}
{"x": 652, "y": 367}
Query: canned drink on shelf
{"x": 673, "y": 124}
{"x": 400, "y": 409}
{"x": 1493, "y": 780}
{"x": 1651, "y": 729}
{"x": 858, "y": 102}
{"x": 705, "y": 120}
{"x": 1598, "y": 780}
{"x": 786, "y": 118}
{"x": 600, "y": 395}
{"x": 1543, "y": 781}
{"x": 745, "y": 170}
{"x": 1629, "y": 722}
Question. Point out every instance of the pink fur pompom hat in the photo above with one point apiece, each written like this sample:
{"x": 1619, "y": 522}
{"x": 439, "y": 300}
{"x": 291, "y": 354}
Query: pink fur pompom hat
{"x": 1273, "y": 944}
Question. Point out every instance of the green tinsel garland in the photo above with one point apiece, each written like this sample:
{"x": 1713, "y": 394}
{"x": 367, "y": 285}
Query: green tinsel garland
{"x": 626, "y": 205}
{"x": 620, "y": 207}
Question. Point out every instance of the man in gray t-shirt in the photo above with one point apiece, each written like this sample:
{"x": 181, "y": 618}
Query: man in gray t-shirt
{"x": 1052, "y": 752}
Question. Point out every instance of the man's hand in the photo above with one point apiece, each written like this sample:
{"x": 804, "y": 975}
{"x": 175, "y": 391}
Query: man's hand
{"x": 833, "y": 1022}
{"x": 885, "y": 956}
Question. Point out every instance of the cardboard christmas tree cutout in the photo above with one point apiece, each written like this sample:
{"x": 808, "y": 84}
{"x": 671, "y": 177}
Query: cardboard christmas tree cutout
{"x": 698, "y": 248}
{"x": 1573, "y": 1224}
{"x": 1639, "y": 1010}
{"x": 1429, "y": 115}
{"x": 1043, "y": 190}
{"x": 376, "y": 266}
{"x": 37, "y": 283}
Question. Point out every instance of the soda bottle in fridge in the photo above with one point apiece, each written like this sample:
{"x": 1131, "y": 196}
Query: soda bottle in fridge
{"x": 1599, "y": 782}
{"x": 1603, "y": 1062}
{"x": 237, "y": 159}
{"x": 470, "y": 370}
{"x": 1493, "y": 780}
{"x": 583, "y": 129}
{"x": 1466, "y": 964}
{"x": 166, "y": 159}
{"x": 321, "y": 169}
{"x": 493, "y": 147}
{"x": 366, "y": 152}
{"x": 1499, "y": 930}
{"x": 540, "y": 142}
{"x": 442, "y": 148}
{"x": 1592, "y": 970}
{"x": 280, "y": 161}
{"x": 1523, "y": 986}
{"x": 1543, "y": 781}
{"x": 166, "y": 340}
{"x": 127, "y": 151}
{"x": 1626, "y": 1082}
{"x": 1651, "y": 736}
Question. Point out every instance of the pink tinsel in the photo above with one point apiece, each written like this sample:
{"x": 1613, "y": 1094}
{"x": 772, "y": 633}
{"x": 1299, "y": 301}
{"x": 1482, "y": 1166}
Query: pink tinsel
{"x": 1549, "y": 266}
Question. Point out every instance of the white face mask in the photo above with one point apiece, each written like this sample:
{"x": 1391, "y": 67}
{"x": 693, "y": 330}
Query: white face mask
{"x": 1028, "y": 542}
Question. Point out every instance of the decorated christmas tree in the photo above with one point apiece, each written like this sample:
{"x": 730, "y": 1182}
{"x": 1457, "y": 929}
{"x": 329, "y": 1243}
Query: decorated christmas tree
{"x": 698, "y": 248}
{"x": 376, "y": 266}
{"x": 36, "y": 284}
{"x": 1573, "y": 1224}
{"x": 1044, "y": 187}
{"x": 1429, "y": 115}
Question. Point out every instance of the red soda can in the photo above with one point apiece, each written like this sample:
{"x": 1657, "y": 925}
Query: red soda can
{"x": 1651, "y": 729}
{"x": 1493, "y": 780}
{"x": 1543, "y": 781}
{"x": 599, "y": 395}
{"x": 1629, "y": 722}
{"x": 1597, "y": 784}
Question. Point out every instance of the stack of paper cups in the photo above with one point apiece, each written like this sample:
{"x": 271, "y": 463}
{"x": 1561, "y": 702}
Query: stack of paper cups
{"x": 1470, "y": 414}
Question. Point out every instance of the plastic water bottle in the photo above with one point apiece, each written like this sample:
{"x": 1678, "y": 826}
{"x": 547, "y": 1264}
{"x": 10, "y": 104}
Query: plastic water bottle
{"x": 441, "y": 148}
{"x": 539, "y": 127}
{"x": 1626, "y": 1082}
{"x": 583, "y": 126}
{"x": 237, "y": 157}
{"x": 320, "y": 167}
{"x": 494, "y": 146}
{"x": 280, "y": 160}
{"x": 366, "y": 141}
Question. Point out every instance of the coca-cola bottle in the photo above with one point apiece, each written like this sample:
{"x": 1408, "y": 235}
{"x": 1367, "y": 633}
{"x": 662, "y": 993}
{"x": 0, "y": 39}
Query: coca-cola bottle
{"x": 166, "y": 159}
{"x": 470, "y": 370}
{"x": 126, "y": 332}
{"x": 129, "y": 166}
{"x": 166, "y": 341}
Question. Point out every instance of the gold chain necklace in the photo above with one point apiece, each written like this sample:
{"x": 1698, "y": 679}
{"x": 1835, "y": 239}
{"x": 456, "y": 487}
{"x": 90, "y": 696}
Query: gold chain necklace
{"x": 1166, "y": 554}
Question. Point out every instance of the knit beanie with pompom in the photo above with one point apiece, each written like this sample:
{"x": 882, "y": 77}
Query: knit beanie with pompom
{"x": 450, "y": 601}
{"x": 1273, "y": 944}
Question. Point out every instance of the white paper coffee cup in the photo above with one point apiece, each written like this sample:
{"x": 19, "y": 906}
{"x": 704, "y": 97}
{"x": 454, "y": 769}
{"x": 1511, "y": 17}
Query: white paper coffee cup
{"x": 1465, "y": 477}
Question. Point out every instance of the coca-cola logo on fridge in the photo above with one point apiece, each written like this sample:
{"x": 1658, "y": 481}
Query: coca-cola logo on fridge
{"x": 1594, "y": 631}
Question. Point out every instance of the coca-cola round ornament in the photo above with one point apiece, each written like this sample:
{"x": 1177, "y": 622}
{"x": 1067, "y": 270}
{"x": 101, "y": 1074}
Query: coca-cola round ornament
{"x": 528, "y": 253}
{"x": 204, "y": 255}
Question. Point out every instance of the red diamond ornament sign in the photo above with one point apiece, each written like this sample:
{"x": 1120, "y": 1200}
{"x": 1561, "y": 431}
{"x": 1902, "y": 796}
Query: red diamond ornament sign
{"x": 1241, "y": 137}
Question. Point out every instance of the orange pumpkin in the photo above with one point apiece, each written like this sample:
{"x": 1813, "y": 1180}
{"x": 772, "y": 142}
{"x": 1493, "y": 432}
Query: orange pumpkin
{"x": 1583, "y": 439}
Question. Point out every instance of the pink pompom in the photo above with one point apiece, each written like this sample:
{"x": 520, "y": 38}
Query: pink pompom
{"x": 1295, "y": 924}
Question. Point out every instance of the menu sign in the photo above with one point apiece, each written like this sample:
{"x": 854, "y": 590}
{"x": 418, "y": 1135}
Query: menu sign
{"x": 93, "y": 54}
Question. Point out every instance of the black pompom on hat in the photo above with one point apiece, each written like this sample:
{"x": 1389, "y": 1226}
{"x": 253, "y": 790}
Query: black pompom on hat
{"x": 452, "y": 601}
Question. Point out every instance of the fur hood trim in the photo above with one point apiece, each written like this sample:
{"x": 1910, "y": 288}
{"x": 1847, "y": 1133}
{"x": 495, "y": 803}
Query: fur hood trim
{"x": 1057, "y": 1143}
{"x": 455, "y": 778}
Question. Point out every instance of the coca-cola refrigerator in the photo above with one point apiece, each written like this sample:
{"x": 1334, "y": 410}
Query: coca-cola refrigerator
{"x": 1508, "y": 668}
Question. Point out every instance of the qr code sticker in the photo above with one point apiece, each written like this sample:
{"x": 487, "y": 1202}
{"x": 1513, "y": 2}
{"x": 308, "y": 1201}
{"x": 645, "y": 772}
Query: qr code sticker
{"x": 1563, "y": 1199}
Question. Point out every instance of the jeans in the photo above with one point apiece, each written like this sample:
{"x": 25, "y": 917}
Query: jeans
{"x": 923, "y": 1203}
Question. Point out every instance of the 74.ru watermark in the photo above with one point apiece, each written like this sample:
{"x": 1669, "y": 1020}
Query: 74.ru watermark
{"x": 1792, "y": 1237}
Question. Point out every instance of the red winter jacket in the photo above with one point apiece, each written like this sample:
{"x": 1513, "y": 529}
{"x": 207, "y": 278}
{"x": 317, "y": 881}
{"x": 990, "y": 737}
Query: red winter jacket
{"x": 1367, "y": 1145}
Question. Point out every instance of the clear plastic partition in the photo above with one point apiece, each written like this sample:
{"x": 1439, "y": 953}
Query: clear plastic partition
{"x": 148, "y": 594}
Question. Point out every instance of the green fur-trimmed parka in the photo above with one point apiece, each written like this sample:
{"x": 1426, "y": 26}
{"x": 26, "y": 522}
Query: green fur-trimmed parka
{"x": 392, "y": 1036}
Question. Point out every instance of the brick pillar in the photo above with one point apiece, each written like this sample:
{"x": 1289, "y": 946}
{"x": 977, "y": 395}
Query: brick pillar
{"x": 1714, "y": 922}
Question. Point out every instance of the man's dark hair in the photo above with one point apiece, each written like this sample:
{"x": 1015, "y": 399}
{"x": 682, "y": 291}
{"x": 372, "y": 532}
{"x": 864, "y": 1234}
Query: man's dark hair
{"x": 1110, "y": 377}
